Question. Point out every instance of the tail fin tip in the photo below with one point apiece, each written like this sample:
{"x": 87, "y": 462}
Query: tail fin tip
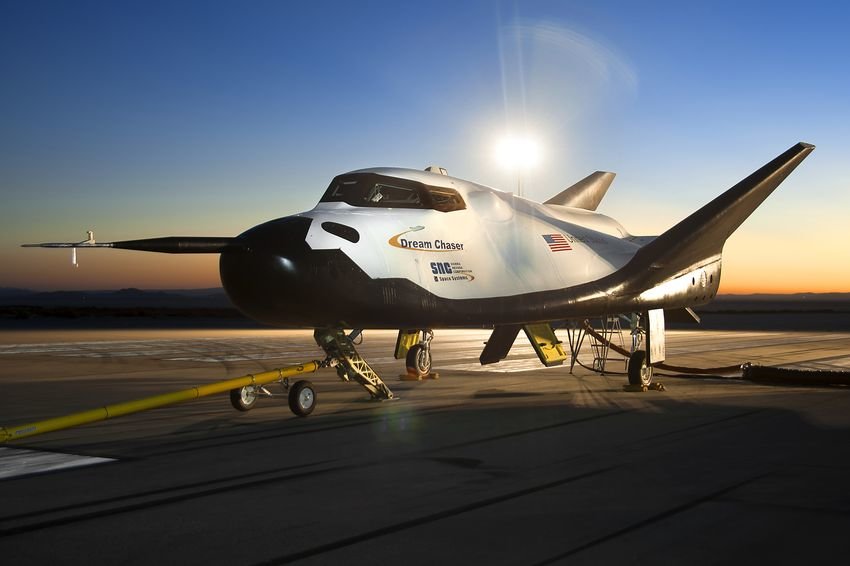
{"x": 587, "y": 193}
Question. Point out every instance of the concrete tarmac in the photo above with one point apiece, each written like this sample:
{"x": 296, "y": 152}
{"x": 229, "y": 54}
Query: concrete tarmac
{"x": 506, "y": 464}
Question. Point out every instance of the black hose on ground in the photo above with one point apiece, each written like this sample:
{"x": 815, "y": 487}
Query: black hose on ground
{"x": 787, "y": 376}
{"x": 750, "y": 372}
{"x": 677, "y": 369}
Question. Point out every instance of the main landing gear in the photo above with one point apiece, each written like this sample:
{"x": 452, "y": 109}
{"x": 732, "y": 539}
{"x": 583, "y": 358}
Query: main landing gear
{"x": 639, "y": 368}
{"x": 648, "y": 347}
{"x": 418, "y": 357}
{"x": 640, "y": 372}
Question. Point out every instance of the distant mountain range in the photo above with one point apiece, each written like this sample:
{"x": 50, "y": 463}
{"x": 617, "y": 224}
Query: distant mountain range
{"x": 210, "y": 308}
{"x": 215, "y": 298}
{"x": 818, "y": 297}
{"x": 124, "y": 298}
{"x": 796, "y": 302}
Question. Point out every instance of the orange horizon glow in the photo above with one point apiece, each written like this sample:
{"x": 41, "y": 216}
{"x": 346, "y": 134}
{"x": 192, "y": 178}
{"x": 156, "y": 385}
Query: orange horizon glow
{"x": 759, "y": 259}
{"x": 39, "y": 270}
{"x": 754, "y": 290}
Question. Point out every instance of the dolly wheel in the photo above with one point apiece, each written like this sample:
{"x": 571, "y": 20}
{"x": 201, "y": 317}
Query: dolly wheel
{"x": 302, "y": 398}
{"x": 243, "y": 398}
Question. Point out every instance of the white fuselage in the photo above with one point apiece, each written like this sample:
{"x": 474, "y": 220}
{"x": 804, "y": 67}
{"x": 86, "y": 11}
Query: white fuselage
{"x": 496, "y": 246}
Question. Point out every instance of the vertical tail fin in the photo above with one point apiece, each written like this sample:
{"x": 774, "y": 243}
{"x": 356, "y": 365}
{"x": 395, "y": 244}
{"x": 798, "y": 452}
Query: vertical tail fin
{"x": 587, "y": 193}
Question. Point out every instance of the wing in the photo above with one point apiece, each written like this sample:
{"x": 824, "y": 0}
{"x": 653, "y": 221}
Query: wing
{"x": 168, "y": 245}
{"x": 700, "y": 237}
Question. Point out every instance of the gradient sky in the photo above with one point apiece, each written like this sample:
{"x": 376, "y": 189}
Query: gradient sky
{"x": 141, "y": 119}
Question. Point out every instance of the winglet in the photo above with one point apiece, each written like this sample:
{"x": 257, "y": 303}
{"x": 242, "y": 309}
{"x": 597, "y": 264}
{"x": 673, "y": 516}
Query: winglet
{"x": 701, "y": 236}
{"x": 587, "y": 193}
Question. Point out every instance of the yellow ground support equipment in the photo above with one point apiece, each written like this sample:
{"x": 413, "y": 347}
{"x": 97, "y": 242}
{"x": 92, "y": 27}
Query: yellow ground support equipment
{"x": 546, "y": 345}
{"x": 405, "y": 341}
{"x": 130, "y": 407}
{"x": 541, "y": 336}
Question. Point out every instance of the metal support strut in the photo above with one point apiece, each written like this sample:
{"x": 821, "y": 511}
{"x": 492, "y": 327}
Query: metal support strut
{"x": 609, "y": 329}
{"x": 340, "y": 347}
{"x": 576, "y": 334}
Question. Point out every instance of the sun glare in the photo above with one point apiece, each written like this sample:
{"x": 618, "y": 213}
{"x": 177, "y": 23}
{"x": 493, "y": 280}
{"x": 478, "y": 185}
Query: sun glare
{"x": 518, "y": 152}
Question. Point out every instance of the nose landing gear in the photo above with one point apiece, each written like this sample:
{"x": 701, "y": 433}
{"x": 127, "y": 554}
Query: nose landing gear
{"x": 349, "y": 364}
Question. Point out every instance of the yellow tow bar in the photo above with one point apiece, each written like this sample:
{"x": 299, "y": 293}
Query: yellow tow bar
{"x": 146, "y": 403}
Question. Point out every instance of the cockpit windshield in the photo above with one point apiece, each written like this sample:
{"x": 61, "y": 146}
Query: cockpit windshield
{"x": 373, "y": 190}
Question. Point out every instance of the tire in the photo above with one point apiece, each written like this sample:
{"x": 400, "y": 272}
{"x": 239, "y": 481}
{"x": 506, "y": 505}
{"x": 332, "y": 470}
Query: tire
{"x": 243, "y": 398}
{"x": 639, "y": 372}
{"x": 418, "y": 361}
{"x": 302, "y": 398}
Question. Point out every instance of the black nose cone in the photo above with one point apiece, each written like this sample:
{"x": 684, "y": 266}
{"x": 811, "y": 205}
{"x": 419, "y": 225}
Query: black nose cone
{"x": 267, "y": 276}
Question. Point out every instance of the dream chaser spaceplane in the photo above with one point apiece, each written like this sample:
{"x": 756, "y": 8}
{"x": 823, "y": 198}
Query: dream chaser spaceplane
{"x": 418, "y": 250}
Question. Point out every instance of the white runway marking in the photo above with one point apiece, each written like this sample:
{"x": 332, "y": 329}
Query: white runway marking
{"x": 234, "y": 358}
{"x": 20, "y": 462}
{"x": 229, "y": 349}
{"x": 200, "y": 350}
{"x": 833, "y": 364}
{"x": 505, "y": 366}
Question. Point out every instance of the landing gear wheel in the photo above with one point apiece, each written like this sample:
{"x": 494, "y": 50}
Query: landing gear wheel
{"x": 419, "y": 361}
{"x": 302, "y": 398}
{"x": 639, "y": 372}
{"x": 244, "y": 398}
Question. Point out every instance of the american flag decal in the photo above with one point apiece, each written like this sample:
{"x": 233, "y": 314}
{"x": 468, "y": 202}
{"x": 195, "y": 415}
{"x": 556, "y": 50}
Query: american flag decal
{"x": 557, "y": 242}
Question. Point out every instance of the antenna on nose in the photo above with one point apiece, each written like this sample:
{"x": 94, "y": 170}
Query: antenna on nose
{"x": 89, "y": 241}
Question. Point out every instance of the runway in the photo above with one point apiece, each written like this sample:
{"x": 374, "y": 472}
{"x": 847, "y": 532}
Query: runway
{"x": 506, "y": 464}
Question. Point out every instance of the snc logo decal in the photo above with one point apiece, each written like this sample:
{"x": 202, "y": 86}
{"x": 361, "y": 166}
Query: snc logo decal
{"x": 443, "y": 271}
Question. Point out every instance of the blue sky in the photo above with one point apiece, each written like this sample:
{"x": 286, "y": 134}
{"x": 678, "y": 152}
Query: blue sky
{"x": 141, "y": 119}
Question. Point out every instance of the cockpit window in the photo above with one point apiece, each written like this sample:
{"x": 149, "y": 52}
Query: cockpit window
{"x": 446, "y": 200}
{"x": 389, "y": 196}
{"x": 372, "y": 190}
